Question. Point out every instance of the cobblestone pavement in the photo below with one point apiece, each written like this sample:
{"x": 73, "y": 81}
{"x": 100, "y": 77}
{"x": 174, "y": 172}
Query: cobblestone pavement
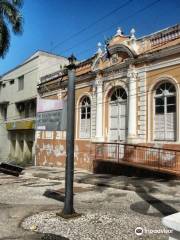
{"x": 132, "y": 202}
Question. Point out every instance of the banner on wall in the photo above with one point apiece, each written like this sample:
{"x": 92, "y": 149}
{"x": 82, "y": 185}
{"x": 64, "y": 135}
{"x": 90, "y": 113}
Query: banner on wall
{"x": 51, "y": 115}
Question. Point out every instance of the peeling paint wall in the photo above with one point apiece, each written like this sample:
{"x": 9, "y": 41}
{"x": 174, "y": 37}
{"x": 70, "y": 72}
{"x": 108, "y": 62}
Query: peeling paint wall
{"x": 51, "y": 151}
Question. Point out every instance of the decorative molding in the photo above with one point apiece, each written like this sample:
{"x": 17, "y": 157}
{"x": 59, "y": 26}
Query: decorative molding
{"x": 163, "y": 64}
{"x": 143, "y": 108}
{"x": 93, "y": 116}
{"x": 99, "y": 82}
{"x": 114, "y": 74}
{"x": 122, "y": 48}
{"x": 141, "y": 124}
{"x": 148, "y": 57}
{"x": 112, "y": 84}
{"x": 141, "y": 132}
{"x": 141, "y": 103}
{"x": 166, "y": 36}
{"x": 132, "y": 73}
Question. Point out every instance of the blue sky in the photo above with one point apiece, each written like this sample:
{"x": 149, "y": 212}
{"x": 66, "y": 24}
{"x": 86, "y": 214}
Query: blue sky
{"x": 47, "y": 23}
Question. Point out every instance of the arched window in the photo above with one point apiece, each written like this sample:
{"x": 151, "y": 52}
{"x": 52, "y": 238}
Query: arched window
{"x": 85, "y": 117}
{"x": 118, "y": 115}
{"x": 165, "y": 112}
{"x": 119, "y": 94}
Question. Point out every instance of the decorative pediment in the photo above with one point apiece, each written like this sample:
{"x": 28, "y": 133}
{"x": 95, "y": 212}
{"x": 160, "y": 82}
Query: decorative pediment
{"x": 122, "y": 48}
{"x": 118, "y": 54}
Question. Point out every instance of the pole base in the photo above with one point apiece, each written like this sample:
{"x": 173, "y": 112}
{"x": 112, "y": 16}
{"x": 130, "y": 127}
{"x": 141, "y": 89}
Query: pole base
{"x": 68, "y": 216}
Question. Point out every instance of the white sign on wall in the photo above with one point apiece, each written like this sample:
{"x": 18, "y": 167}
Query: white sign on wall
{"x": 51, "y": 115}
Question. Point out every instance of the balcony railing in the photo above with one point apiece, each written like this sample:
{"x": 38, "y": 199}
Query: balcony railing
{"x": 161, "y": 159}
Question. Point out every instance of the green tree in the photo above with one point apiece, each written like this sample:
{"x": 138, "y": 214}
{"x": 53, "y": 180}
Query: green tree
{"x": 9, "y": 15}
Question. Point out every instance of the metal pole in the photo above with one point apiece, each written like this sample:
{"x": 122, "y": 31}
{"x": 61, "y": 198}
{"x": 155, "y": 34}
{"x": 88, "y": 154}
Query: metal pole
{"x": 68, "y": 203}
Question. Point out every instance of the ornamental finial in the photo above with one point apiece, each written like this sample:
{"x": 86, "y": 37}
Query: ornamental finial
{"x": 133, "y": 33}
{"x": 119, "y": 32}
{"x": 99, "y": 45}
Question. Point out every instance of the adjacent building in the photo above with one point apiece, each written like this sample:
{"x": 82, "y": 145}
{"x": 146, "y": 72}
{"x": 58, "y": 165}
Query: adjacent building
{"x": 127, "y": 93}
{"x": 18, "y": 94}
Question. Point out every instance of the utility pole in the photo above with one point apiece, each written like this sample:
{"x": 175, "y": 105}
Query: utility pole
{"x": 68, "y": 203}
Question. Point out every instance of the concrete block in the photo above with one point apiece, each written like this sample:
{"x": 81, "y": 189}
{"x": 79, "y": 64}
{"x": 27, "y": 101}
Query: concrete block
{"x": 143, "y": 108}
{"x": 173, "y": 222}
{"x": 141, "y": 132}
{"x": 143, "y": 118}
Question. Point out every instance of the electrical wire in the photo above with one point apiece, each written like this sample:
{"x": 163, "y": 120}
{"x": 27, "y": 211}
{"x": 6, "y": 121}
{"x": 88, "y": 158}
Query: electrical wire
{"x": 112, "y": 25}
{"x": 93, "y": 23}
{"x": 97, "y": 33}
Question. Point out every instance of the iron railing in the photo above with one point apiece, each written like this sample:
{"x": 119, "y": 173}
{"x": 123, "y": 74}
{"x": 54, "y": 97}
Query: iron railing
{"x": 162, "y": 159}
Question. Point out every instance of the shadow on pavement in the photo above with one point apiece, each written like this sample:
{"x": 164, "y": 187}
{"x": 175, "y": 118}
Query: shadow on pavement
{"x": 54, "y": 195}
{"x": 144, "y": 187}
{"x": 52, "y": 237}
{"x": 164, "y": 208}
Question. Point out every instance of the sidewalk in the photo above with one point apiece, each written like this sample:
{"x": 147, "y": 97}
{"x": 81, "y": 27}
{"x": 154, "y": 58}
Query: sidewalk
{"x": 151, "y": 198}
{"x": 160, "y": 193}
{"x": 112, "y": 206}
{"x": 155, "y": 186}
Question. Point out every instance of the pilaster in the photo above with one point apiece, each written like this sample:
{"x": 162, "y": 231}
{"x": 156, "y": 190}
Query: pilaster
{"x": 99, "y": 109}
{"x": 132, "y": 106}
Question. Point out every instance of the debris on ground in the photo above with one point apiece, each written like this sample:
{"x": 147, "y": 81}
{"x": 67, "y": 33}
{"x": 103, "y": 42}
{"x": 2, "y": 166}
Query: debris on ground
{"x": 11, "y": 169}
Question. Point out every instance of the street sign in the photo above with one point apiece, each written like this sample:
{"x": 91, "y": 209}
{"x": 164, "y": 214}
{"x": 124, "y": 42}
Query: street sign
{"x": 51, "y": 115}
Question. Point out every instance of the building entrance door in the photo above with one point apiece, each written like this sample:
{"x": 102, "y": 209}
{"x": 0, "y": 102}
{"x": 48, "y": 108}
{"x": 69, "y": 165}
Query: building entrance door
{"x": 118, "y": 116}
{"x": 117, "y": 121}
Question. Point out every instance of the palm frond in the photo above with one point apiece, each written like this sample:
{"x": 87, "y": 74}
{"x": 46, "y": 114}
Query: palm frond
{"x": 4, "y": 38}
{"x": 18, "y": 3}
{"x": 12, "y": 14}
{"x": 9, "y": 11}
{"x": 18, "y": 26}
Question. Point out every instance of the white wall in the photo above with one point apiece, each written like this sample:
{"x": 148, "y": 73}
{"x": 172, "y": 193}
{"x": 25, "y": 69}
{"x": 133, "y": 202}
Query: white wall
{"x": 36, "y": 66}
{"x": 49, "y": 64}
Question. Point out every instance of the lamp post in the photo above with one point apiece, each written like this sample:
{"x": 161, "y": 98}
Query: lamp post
{"x": 69, "y": 177}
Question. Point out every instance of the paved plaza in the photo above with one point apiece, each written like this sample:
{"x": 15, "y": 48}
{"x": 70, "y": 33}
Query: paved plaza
{"x": 112, "y": 207}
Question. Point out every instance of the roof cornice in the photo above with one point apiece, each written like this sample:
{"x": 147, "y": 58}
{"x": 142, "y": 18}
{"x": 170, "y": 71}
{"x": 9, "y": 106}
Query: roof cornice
{"x": 161, "y": 53}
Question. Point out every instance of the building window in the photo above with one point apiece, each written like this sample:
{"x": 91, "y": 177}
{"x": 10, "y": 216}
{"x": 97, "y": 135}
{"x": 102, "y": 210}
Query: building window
{"x": 165, "y": 112}
{"x": 118, "y": 115}
{"x": 30, "y": 108}
{"x": 85, "y": 117}
{"x": 11, "y": 82}
{"x": 4, "y": 111}
{"x": 21, "y": 83}
{"x": 21, "y": 109}
{"x": 3, "y": 85}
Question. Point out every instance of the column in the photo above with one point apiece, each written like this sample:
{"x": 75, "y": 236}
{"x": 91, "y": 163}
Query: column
{"x": 19, "y": 148}
{"x": 34, "y": 150}
{"x": 99, "y": 110}
{"x": 132, "y": 109}
{"x": 26, "y": 151}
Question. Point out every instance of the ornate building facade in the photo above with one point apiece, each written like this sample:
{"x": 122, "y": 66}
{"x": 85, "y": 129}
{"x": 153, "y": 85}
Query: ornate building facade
{"x": 128, "y": 93}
